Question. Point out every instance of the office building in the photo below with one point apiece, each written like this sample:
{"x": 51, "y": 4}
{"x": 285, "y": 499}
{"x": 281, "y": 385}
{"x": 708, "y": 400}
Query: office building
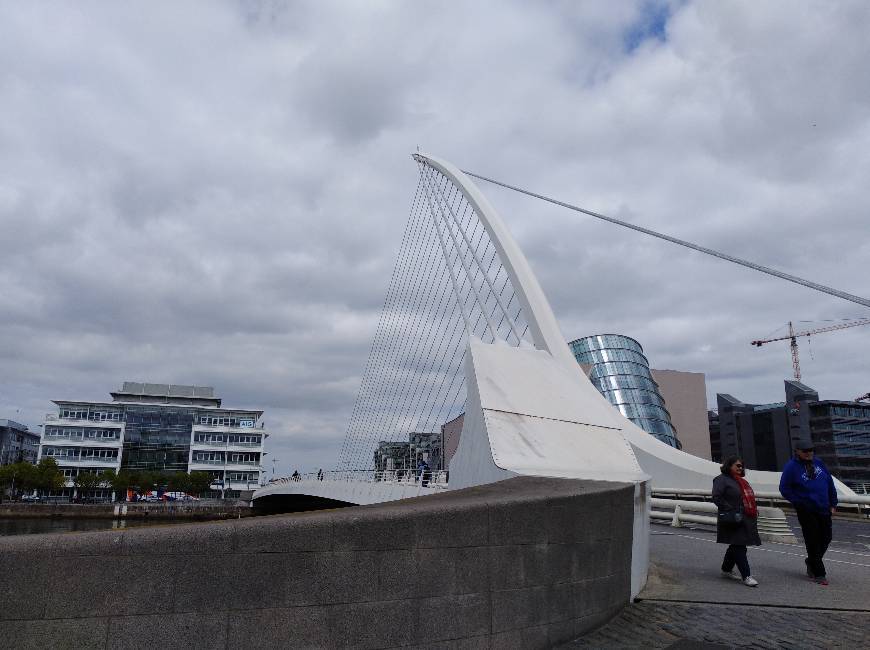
{"x": 162, "y": 427}
{"x": 17, "y": 443}
{"x": 392, "y": 456}
{"x": 764, "y": 434}
{"x": 715, "y": 437}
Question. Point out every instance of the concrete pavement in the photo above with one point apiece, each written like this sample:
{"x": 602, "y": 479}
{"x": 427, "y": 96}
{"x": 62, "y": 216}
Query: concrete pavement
{"x": 686, "y": 600}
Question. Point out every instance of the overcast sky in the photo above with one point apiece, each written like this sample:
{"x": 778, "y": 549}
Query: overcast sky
{"x": 214, "y": 192}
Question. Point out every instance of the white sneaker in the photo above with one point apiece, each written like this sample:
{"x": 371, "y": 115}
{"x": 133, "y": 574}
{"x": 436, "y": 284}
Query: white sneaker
{"x": 749, "y": 581}
{"x": 731, "y": 574}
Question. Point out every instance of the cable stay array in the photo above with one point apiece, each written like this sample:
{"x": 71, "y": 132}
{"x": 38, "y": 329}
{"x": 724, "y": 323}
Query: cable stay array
{"x": 448, "y": 283}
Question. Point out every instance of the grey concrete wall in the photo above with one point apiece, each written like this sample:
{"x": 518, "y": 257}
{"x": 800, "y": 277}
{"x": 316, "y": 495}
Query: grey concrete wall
{"x": 524, "y": 563}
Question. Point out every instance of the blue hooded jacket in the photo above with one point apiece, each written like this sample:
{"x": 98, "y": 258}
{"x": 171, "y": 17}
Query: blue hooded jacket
{"x": 815, "y": 493}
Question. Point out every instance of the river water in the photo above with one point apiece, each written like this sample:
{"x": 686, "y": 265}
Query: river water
{"x": 68, "y": 525}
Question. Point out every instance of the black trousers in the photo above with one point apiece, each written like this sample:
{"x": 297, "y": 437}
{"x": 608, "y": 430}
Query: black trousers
{"x": 736, "y": 554}
{"x": 816, "y": 528}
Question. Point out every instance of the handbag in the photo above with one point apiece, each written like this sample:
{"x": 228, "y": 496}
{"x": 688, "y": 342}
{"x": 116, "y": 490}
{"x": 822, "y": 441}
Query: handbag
{"x": 730, "y": 517}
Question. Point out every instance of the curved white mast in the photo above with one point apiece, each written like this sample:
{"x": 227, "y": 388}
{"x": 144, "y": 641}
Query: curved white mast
{"x": 543, "y": 327}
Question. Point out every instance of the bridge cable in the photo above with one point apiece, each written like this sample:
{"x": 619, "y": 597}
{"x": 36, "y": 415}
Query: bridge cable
{"x": 424, "y": 363}
{"x": 399, "y": 319}
{"x": 709, "y": 251}
{"x": 364, "y": 384}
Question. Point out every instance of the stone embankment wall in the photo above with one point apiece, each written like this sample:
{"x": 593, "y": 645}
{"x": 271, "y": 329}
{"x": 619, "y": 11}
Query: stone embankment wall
{"x": 172, "y": 510}
{"x": 523, "y": 563}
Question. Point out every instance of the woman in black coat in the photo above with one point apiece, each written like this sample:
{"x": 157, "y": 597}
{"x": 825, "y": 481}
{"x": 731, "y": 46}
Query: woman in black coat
{"x": 732, "y": 494}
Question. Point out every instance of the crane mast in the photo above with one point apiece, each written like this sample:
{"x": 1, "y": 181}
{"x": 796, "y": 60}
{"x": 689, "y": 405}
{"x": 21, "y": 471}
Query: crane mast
{"x": 792, "y": 338}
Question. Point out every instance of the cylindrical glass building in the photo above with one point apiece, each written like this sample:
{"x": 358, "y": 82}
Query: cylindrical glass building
{"x": 620, "y": 371}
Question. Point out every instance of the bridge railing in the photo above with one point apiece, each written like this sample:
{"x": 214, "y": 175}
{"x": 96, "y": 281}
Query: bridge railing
{"x": 772, "y": 524}
{"x": 859, "y": 502}
{"x": 435, "y": 479}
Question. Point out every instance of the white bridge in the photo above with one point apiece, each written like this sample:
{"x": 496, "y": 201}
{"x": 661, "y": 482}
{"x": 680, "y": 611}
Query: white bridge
{"x": 358, "y": 488}
{"x": 467, "y": 329}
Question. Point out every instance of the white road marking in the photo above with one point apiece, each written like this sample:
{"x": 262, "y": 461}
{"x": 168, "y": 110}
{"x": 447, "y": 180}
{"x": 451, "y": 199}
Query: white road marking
{"x": 770, "y": 550}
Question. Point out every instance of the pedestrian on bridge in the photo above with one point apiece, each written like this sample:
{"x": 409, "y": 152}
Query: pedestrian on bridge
{"x": 737, "y": 520}
{"x": 808, "y": 485}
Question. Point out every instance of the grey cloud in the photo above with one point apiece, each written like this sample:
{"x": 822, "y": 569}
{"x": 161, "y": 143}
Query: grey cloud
{"x": 216, "y": 193}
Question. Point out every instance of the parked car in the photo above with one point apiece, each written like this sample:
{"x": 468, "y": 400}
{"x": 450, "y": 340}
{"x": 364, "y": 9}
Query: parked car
{"x": 30, "y": 497}
{"x": 179, "y": 496}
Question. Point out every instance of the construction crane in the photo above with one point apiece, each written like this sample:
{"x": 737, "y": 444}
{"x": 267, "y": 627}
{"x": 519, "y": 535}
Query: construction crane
{"x": 792, "y": 336}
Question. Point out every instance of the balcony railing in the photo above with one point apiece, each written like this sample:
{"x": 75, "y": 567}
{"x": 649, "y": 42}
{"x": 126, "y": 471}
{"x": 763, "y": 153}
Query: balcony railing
{"x": 68, "y": 438}
{"x": 83, "y": 459}
{"x": 224, "y": 443}
{"x": 54, "y": 417}
{"x": 221, "y": 427}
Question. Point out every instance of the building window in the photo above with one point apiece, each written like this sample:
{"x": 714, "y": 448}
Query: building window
{"x": 105, "y": 416}
{"x": 209, "y": 437}
{"x": 208, "y": 457}
{"x": 242, "y": 476}
{"x": 245, "y": 439}
{"x": 100, "y": 453}
{"x": 61, "y": 452}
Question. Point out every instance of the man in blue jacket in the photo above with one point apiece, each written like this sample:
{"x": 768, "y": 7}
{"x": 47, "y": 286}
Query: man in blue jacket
{"x": 807, "y": 484}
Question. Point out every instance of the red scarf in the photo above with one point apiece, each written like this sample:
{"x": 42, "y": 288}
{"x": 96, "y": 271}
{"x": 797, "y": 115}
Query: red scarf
{"x": 748, "y": 496}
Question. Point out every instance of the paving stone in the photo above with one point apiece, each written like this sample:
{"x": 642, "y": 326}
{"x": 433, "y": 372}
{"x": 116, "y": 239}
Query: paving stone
{"x": 650, "y": 625}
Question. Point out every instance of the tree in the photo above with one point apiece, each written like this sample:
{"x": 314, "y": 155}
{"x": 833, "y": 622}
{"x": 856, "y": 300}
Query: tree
{"x": 86, "y": 482}
{"x": 48, "y": 476}
{"x": 121, "y": 482}
{"x": 146, "y": 481}
{"x": 179, "y": 482}
{"x": 199, "y": 482}
{"x": 17, "y": 477}
{"x": 106, "y": 478}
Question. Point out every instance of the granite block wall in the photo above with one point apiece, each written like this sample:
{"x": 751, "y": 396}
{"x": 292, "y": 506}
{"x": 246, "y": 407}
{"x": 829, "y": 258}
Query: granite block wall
{"x": 523, "y": 563}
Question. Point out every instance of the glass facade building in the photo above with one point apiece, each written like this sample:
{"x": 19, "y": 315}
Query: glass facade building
{"x": 764, "y": 435}
{"x": 621, "y": 372}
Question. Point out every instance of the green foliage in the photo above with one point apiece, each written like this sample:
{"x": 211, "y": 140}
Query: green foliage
{"x": 107, "y": 476}
{"x": 48, "y": 476}
{"x": 121, "y": 482}
{"x": 146, "y": 481}
{"x": 19, "y": 477}
{"x": 86, "y": 482}
{"x": 199, "y": 482}
{"x": 179, "y": 482}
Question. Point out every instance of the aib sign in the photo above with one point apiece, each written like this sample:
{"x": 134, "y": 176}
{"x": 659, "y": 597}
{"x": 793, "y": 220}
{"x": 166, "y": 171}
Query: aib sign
{"x": 246, "y": 423}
